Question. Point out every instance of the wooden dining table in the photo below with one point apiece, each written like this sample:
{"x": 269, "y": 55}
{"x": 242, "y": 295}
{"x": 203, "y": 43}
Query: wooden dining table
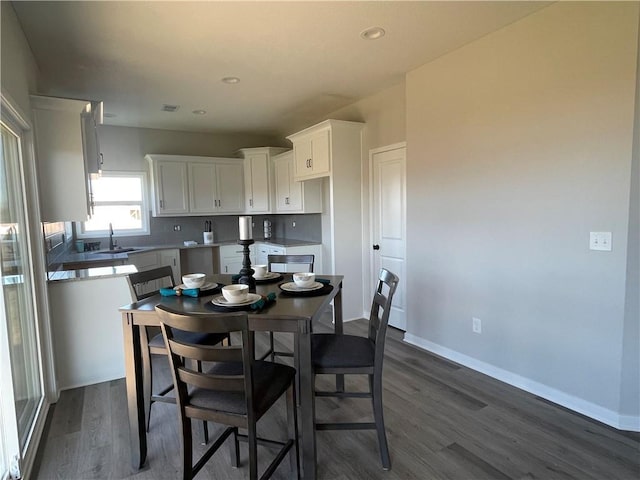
{"x": 288, "y": 313}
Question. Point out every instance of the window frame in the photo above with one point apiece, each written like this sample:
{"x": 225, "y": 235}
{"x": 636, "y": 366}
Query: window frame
{"x": 144, "y": 207}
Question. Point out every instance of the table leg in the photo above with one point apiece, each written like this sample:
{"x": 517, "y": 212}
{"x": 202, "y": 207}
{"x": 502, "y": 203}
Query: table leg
{"x": 135, "y": 397}
{"x": 307, "y": 403}
{"x": 337, "y": 321}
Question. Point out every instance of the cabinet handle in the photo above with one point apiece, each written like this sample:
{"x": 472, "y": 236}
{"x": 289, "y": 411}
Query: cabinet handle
{"x": 286, "y": 200}
{"x": 161, "y": 204}
{"x": 251, "y": 202}
{"x": 226, "y": 269}
{"x": 308, "y": 163}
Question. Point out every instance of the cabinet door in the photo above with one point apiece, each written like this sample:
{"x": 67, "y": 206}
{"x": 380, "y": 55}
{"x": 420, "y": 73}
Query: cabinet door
{"x": 302, "y": 153}
{"x": 202, "y": 195}
{"x": 281, "y": 168}
{"x": 320, "y": 153}
{"x": 230, "y": 187}
{"x": 312, "y": 156}
{"x": 256, "y": 172}
{"x": 172, "y": 258}
{"x": 64, "y": 191}
{"x": 171, "y": 185}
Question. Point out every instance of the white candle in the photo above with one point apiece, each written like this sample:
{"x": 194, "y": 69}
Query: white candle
{"x": 246, "y": 232}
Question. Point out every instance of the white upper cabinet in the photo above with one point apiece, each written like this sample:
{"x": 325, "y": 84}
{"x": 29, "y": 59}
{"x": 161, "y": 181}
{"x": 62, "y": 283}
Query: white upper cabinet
{"x": 258, "y": 178}
{"x": 317, "y": 148}
{"x": 170, "y": 182}
{"x": 312, "y": 155}
{"x": 293, "y": 196}
{"x": 184, "y": 185}
{"x": 64, "y": 180}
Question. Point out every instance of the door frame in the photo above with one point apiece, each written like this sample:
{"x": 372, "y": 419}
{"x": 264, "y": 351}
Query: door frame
{"x": 370, "y": 275}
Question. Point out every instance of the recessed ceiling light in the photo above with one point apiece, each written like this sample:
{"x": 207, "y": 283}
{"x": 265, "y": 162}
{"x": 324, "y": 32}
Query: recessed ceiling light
{"x": 109, "y": 115}
{"x": 199, "y": 112}
{"x": 231, "y": 80}
{"x": 372, "y": 33}
{"x": 169, "y": 108}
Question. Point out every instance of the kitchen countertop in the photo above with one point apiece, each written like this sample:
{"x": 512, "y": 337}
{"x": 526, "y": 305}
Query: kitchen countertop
{"x": 120, "y": 270}
{"x": 92, "y": 273}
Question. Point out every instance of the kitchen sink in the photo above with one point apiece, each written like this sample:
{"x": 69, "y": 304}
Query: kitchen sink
{"x": 117, "y": 250}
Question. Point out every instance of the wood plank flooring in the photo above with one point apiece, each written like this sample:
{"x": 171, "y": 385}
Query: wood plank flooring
{"x": 443, "y": 421}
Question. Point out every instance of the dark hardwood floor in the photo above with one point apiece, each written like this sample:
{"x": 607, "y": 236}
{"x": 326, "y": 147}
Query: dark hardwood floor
{"x": 443, "y": 421}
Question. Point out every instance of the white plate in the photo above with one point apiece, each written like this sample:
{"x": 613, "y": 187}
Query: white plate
{"x": 268, "y": 276}
{"x": 292, "y": 287}
{"x": 222, "y": 302}
{"x": 205, "y": 286}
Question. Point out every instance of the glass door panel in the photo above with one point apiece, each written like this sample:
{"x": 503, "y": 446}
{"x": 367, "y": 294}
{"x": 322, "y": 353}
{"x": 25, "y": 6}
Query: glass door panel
{"x": 17, "y": 287}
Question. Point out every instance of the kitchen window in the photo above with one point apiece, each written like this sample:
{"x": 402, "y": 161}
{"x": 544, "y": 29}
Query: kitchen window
{"x": 120, "y": 199}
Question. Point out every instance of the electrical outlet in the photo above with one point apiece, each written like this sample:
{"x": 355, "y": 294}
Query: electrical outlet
{"x": 476, "y": 325}
{"x": 600, "y": 241}
{"x": 293, "y": 224}
{"x": 177, "y": 228}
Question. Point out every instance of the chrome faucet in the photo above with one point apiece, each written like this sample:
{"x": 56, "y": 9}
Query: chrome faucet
{"x": 111, "y": 245}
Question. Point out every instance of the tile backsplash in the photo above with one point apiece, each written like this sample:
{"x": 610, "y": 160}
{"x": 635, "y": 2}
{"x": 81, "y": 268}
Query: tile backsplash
{"x": 308, "y": 227}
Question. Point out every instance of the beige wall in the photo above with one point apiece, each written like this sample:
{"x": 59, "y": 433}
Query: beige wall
{"x": 124, "y": 148}
{"x": 19, "y": 71}
{"x": 519, "y": 144}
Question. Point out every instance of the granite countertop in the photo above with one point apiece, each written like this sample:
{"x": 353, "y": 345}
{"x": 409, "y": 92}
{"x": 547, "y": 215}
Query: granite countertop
{"x": 92, "y": 273}
{"x": 120, "y": 270}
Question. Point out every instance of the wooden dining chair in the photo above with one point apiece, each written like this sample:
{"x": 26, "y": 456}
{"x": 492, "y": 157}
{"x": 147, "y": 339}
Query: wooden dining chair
{"x": 236, "y": 391}
{"x": 277, "y": 263}
{"x": 339, "y": 354}
{"x": 143, "y": 285}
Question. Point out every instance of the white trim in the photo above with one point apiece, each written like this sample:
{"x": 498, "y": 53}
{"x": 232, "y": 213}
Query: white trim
{"x": 584, "y": 407}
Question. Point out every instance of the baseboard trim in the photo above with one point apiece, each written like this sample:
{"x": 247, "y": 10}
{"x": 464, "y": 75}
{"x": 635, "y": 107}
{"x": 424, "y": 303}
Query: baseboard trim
{"x": 579, "y": 405}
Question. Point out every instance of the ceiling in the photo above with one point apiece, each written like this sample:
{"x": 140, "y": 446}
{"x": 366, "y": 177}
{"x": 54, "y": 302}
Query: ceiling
{"x": 296, "y": 61}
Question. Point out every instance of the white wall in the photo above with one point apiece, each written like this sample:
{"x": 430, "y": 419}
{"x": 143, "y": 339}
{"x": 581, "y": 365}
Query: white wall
{"x": 124, "y": 148}
{"x": 519, "y": 144}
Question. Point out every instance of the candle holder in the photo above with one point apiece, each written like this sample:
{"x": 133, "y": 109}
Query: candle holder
{"x": 246, "y": 274}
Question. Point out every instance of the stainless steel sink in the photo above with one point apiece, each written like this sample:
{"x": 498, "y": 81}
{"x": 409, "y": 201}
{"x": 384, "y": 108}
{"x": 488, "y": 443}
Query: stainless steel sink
{"x": 117, "y": 250}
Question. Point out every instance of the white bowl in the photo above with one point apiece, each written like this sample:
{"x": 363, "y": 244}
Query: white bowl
{"x": 259, "y": 271}
{"x": 194, "y": 280}
{"x": 235, "y": 293}
{"x": 304, "y": 279}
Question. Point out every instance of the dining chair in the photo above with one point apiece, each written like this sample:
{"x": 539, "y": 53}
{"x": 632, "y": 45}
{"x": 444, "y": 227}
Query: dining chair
{"x": 143, "y": 285}
{"x": 236, "y": 391}
{"x": 278, "y": 263}
{"x": 339, "y": 354}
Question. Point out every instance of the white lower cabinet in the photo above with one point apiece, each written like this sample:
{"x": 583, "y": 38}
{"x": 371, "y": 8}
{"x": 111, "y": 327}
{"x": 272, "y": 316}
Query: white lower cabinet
{"x": 154, "y": 259}
{"x": 231, "y": 257}
{"x": 266, "y": 249}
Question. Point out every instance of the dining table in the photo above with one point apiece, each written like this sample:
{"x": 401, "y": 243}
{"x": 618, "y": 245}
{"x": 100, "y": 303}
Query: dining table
{"x": 289, "y": 312}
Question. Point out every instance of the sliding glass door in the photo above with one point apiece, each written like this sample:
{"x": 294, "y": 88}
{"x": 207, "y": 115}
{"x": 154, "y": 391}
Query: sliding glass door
{"x": 21, "y": 392}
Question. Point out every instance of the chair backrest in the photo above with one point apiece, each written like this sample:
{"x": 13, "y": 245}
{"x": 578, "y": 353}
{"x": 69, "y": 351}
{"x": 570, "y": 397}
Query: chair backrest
{"x": 148, "y": 283}
{"x": 380, "y": 310}
{"x": 236, "y": 376}
{"x": 298, "y": 260}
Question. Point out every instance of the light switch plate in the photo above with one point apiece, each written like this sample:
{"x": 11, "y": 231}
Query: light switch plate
{"x": 600, "y": 241}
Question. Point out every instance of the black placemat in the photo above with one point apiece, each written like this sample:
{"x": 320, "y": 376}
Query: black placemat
{"x": 239, "y": 308}
{"x": 269, "y": 280}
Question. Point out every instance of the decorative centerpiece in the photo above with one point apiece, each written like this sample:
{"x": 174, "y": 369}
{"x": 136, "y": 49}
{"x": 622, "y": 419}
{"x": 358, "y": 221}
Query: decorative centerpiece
{"x": 246, "y": 239}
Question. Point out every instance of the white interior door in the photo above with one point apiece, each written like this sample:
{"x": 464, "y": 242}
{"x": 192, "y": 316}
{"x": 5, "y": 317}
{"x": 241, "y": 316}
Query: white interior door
{"x": 389, "y": 212}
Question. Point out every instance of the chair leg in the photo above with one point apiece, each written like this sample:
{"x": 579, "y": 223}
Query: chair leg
{"x": 187, "y": 449}
{"x": 375, "y": 383}
{"x": 292, "y": 428}
{"x": 272, "y": 346}
{"x": 252, "y": 440}
{"x": 147, "y": 384}
{"x": 205, "y": 426}
{"x": 235, "y": 450}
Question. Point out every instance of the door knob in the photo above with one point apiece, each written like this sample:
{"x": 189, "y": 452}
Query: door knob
{"x": 376, "y": 247}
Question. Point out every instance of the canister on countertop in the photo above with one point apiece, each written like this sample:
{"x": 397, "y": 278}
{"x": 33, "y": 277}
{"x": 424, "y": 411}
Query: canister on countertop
{"x": 267, "y": 229}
